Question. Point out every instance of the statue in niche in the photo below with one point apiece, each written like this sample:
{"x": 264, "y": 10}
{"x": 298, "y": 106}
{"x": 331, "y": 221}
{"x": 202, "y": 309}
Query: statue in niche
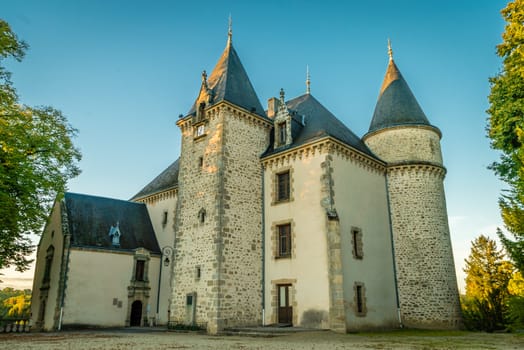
{"x": 114, "y": 234}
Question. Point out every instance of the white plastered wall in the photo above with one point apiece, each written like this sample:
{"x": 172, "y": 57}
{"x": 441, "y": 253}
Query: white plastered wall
{"x": 97, "y": 283}
{"x": 307, "y": 268}
{"x": 361, "y": 202}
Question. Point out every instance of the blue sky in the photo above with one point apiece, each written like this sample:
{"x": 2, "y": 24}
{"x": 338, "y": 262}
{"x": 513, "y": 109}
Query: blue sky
{"x": 122, "y": 72}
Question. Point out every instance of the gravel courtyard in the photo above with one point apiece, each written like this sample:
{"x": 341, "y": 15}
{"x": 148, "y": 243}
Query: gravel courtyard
{"x": 140, "y": 339}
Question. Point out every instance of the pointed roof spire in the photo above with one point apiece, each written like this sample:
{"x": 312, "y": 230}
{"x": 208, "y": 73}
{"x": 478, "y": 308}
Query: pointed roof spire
{"x": 396, "y": 103}
{"x": 308, "y": 81}
{"x": 229, "y": 82}
{"x": 230, "y": 32}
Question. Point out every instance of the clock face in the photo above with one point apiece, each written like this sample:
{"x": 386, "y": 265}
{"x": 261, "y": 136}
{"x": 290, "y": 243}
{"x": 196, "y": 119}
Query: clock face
{"x": 200, "y": 130}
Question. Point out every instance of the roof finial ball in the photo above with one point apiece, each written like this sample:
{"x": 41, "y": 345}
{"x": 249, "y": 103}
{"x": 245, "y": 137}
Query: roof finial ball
{"x": 390, "y": 50}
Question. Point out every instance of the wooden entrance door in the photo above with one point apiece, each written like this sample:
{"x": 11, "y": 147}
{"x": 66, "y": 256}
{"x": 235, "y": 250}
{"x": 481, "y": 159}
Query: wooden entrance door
{"x": 285, "y": 310}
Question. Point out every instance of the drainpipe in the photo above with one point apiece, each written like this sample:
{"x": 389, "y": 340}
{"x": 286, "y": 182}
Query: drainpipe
{"x": 393, "y": 251}
{"x": 158, "y": 293}
{"x": 263, "y": 250}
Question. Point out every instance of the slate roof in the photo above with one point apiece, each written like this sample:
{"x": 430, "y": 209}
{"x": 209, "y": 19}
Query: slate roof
{"x": 229, "y": 82}
{"x": 396, "y": 103}
{"x": 90, "y": 218}
{"x": 167, "y": 179}
{"x": 318, "y": 123}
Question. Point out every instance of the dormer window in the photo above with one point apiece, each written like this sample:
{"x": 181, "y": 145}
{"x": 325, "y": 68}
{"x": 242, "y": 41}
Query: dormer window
{"x": 282, "y": 131}
{"x": 282, "y": 126}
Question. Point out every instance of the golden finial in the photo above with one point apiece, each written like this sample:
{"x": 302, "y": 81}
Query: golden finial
{"x": 308, "y": 81}
{"x": 390, "y": 50}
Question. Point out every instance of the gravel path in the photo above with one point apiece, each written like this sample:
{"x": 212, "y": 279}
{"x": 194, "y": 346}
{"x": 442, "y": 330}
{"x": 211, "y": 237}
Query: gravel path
{"x": 160, "y": 340}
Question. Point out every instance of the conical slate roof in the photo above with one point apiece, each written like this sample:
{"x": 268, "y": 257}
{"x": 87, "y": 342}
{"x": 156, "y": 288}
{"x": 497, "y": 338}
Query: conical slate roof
{"x": 167, "y": 179}
{"x": 396, "y": 103}
{"x": 229, "y": 82}
{"x": 318, "y": 123}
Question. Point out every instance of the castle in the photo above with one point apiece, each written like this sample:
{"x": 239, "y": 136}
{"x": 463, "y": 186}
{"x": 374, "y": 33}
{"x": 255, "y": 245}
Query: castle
{"x": 277, "y": 216}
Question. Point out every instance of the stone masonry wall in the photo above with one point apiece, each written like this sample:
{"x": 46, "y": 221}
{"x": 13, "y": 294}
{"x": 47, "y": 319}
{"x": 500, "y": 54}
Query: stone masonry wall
{"x": 223, "y": 245}
{"x": 419, "y": 143}
{"x": 241, "y": 296}
{"x": 426, "y": 277}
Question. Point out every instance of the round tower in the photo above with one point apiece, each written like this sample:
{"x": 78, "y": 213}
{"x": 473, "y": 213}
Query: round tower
{"x": 401, "y": 135}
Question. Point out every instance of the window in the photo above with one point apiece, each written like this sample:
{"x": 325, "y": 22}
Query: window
{"x": 202, "y": 216}
{"x": 356, "y": 240}
{"x": 283, "y": 188}
{"x": 200, "y": 162}
{"x": 360, "y": 299}
{"x": 48, "y": 263}
{"x": 200, "y": 130}
{"x": 282, "y": 133}
{"x": 284, "y": 240}
{"x": 164, "y": 218}
{"x": 139, "y": 270}
{"x": 198, "y": 273}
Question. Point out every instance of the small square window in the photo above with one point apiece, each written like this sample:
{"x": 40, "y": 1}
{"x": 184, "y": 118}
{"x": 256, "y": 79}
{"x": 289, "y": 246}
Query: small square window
{"x": 283, "y": 186}
{"x": 200, "y": 130}
{"x": 198, "y": 272}
{"x": 284, "y": 240}
{"x": 164, "y": 218}
{"x": 202, "y": 216}
{"x": 359, "y": 299}
{"x": 356, "y": 241}
{"x": 282, "y": 133}
{"x": 140, "y": 270}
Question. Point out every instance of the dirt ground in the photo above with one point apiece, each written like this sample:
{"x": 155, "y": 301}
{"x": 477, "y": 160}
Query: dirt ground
{"x": 140, "y": 339}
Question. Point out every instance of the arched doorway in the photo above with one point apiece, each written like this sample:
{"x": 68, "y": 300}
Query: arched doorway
{"x": 136, "y": 313}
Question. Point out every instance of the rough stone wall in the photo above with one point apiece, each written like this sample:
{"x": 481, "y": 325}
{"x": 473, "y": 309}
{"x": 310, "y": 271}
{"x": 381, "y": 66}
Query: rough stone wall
{"x": 420, "y": 143}
{"x": 426, "y": 277}
{"x": 226, "y": 246}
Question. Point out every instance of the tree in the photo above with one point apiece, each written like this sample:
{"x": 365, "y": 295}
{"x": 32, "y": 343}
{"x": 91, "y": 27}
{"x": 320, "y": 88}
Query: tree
{"x": 506, "y": 128}
{"x": 15, "y": 303}
{"x": 487, "y": 277}
{"x": 37, "y": 157}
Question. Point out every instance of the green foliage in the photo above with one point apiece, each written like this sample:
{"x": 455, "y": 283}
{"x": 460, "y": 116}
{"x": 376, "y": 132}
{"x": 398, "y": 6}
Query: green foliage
{"x": 37, "y": 157}
{"x": 488, "y": 274}
{"x": 15, "y": 303}
{"x": 506, "y": 128}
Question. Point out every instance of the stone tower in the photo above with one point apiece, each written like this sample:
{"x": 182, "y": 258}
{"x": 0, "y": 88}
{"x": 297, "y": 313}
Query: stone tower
{"x": 401, "y": 135}
{"x": 218, "y": 244}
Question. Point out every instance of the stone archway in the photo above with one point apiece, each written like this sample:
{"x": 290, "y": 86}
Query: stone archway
{"x": 136, "y": 314}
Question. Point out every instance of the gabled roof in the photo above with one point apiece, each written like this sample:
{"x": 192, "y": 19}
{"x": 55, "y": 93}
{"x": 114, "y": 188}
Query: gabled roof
{"x": 90, "y": 219}
{"x": 318, "y": 123}
{"x": 396, "y": 103}
{"x": 167, "y": 180}
{"x": 230, "y": 82}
